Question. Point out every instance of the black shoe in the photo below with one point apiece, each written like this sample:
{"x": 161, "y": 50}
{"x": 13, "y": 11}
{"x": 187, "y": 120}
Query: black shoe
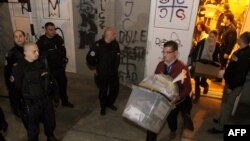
{"x": 103, "y": 112}
{"x": 214, "y": 131}
{"x": 52, "y": 139}
{"x": 205, "y": 91}
{"x": 215, "y": 120}
{"x": 68, "y": 104}
{"x": 112, "y": 107}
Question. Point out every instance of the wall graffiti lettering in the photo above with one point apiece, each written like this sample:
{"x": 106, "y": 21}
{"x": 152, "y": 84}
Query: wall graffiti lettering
{"x": 54, "y": 6}
{"x": 132, "y": 41}
{"x": 129, "y": 4}
{"x": 101, "y": 15}
{"x": 173, "y": 36}
{"x": 128, "y": 55}
{"x": 127, "y": 37}
{"x": 24, "y": 6}
{"x": 88, "y": 28}
{"x": 174, "y": 14}
{"x": 166, "y": 7}
{"x": 129, "y": 8}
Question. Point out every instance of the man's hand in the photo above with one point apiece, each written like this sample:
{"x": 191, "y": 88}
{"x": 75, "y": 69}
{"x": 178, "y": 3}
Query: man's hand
{"x": 226, "y": 56}
{"x": 174, "y": 100}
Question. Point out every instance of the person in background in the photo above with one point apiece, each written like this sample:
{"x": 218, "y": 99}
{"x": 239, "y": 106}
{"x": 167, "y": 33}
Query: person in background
{"x": 11, "y": 58}
{"x": 228, "y": 40}
{"x": 105, "y": 56}
{"x": 220, "y": 25}
{"x": 207, "y": 49}
{"x": 173, "y": 67}
{"x": 30, "y": 80}
{"x": 200, "y": 32}
{"x": 235, "y": 77}
{"x": 51, "y": 46}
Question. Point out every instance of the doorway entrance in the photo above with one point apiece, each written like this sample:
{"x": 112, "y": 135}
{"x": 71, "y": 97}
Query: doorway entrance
{"x": 210, "y": 12}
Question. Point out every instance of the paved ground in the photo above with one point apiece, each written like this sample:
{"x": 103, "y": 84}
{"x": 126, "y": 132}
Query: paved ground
{"x": 84, "y": 123}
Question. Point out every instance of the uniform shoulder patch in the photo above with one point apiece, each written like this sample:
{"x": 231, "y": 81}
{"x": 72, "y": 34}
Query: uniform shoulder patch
{"x": 12, "y": 79}
{"x": 92, "y": 53}
{"x": 15, "y": 64}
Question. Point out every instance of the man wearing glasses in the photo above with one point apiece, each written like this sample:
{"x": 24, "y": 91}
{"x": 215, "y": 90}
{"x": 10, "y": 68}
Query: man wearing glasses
{"x": 170, "y": 65}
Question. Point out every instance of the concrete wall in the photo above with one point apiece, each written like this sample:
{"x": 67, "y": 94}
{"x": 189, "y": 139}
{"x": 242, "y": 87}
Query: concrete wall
{"x": 129, "y": 17}
{"x": 6, "y": 36}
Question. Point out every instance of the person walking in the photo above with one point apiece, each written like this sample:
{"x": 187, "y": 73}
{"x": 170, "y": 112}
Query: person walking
{"x": 207, "y": 49}
{"x": 173, "y": 67}
{"x": 228, "y": 40}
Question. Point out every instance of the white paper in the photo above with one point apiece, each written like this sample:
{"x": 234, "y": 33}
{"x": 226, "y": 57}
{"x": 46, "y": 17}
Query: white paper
{"x": 134, "y": 113}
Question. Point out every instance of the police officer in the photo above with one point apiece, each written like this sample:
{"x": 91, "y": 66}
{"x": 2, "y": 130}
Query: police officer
{"x": 30, "y": 80}
{"x": 51, "y": 45}
{"x": 11, "y": 58}
{"x": 105, "y": 56}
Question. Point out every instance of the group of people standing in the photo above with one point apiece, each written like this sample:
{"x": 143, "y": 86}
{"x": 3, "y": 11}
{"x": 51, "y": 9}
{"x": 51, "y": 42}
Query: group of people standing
{"x": 216, "y": 46}
{"x": 35, "y": 78}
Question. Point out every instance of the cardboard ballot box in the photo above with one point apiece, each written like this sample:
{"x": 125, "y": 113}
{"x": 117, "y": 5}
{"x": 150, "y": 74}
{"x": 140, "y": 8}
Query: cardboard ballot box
{"x": 206, "y": 70}
{"x": 147, "y": 109}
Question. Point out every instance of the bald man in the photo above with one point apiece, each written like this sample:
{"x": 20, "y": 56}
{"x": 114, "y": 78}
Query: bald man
{"x": 104, "y": 55}
{"x": 30, "y": 77}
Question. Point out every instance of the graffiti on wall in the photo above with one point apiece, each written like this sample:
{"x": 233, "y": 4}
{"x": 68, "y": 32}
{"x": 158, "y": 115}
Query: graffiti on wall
{"x": 87, "y": 28}
{"x": 56, "y": 9}
{"x": 173, "y": 14}
{"x": 173, "y": 36}
{"x": 132, "y": 36}
{"x": 101, "y": 14}
{"x": 55, "y": 5}
{"x": 129, "y": 55}
{"x": 132, "y": 53}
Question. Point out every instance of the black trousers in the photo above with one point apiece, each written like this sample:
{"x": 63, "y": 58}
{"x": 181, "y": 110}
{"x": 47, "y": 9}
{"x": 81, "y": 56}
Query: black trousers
{"x": 108, "y": 89}
{"x": 185, "y": 107}
{"x": 60, "y": 76}
{"x": 39, "y": 111}
{"x": 223, "y": 61}
{"x": 200, "y": 81}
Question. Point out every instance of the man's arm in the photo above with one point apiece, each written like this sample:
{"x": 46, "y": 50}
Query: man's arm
{"x": 91, "y": 57}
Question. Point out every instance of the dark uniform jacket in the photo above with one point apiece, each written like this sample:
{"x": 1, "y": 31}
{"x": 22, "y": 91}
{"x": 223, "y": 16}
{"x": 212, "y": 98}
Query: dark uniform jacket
{"x": 198, "y": 49}
{"x": 30, "y": 80}
{"x": 13, "y": 55}
{"x": 228, "y": 39}
{"x": 105, "y": 57}
{"x": 238, "y": 67}
{"x": 54, "y": 50}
